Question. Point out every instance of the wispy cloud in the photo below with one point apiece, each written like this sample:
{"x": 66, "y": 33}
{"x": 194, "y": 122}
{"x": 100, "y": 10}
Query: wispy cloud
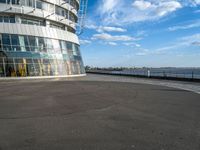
{"x": 190, "y": 40}
{"x": 128, "y": 12}
{"x": 84, "y": 42}
{"x": 132, "y": 44}
{"x": 178, "y": 45}
{"x": 91, "y": 26}
{"x": 111, "y": 38}
{"x": 141, "y": 54}
{"x": 183, "y": 42}
{"x": 141, "y": 5}
{"x": 105, "y": 28}
{"x": 110, "y": 29}
{"x": 193, "y": 24}
{"x": 190, "y": 2}
{"x": 112, "y": 43}
{"x": 109, "y": 5}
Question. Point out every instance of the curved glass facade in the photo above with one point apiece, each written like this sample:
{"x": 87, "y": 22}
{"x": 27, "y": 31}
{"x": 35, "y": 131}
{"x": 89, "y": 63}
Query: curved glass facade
{"x": 36, "y": 42}
{"x": 22, "y": 55}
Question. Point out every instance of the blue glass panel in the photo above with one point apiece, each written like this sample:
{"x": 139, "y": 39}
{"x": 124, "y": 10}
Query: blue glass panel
{"x": 42, "y": 45}
{"x": 26, "y": 43}
{"x": 32, "y": 42}
{"x": 56, "y": 46}
{"x": 15, "y": 43}
{"x": 1, "y": 18}
{"x": 38, "y": 4}
{"x": 6, "y": 19}
{"x": 49, "y": 45}
{"x": 6, "y": 42}
{"x": 12, "y": 19}
{"x": 62, "y": 57}
{"x": 2, "y": 1}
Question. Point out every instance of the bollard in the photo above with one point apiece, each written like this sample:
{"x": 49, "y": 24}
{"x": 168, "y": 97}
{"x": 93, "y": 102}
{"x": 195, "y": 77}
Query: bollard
{"x": 148, "y": 73}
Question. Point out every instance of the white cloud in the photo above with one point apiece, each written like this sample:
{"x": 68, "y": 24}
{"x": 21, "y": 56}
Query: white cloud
{"x": 197, "y": 1}
{"x": 142, "y": 5}
{"x": 141, "y": 54}
{"x": 193, "y": 24}
{"x": 84, "y": 42}
{"x": 112, "y": 43}
{"x": 105, "y": 28}
{"x": 183, "y": 42}
{"x": 190, "y": 2}
{"x": 178, "y": 45}
{"x": 132, "y": 44}
{"x": 167, "y": 7}
{"x": 90, "y": 26}
{"x": 108, "y": 37}
{"x": 108, "y": 5}
{"x": 190, "y": 40}
{"x": 128, "y": 12}
{"x": 110, "y": 29}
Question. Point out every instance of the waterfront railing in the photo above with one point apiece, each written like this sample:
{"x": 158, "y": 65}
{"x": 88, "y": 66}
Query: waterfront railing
{"x": 179, "y": 75}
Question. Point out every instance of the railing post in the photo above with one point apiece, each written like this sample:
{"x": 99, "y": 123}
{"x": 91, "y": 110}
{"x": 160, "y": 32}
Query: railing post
{"x": 148, "y": 73}
{"x": 192, "y": 75}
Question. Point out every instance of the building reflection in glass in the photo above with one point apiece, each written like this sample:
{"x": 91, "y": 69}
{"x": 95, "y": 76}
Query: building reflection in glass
{"x": 22, "y": 56}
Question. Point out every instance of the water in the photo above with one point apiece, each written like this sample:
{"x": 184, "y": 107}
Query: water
{"x": 164, "y": 72}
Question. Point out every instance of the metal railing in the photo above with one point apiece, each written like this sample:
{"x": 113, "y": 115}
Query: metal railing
{"x": 188, "y": 74}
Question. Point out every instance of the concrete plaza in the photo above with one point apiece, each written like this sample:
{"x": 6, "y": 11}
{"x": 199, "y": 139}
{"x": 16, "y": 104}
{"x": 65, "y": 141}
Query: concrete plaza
{"x": 91, "y": 114}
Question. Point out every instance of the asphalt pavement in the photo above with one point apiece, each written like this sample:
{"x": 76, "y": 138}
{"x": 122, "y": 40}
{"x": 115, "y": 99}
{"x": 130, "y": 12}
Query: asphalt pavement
{"x": 97, "y": 115}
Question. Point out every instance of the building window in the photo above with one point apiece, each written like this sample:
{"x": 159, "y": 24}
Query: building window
{"x": 71, "y": 17}
{"x": 70, "y": 49}
{"x": 57, "y": 26}
{"x": 7, "y": 19}
{"x": 12, "y": 19}
{"x": 63, "y": 47}
{"x": 60, "y": 11}
{"x": 24, "y": 43}
{"x": 32, "y": 42}
{"x": 49, "y": 45}
{"x": 30, "y": 3}
{"x": 32, "y": 21}
{"x": 76, "y": 50}
{"x": 0, "y": 43}
{"x": 38, "y": 4}
{"x": 42, "y": 45}
{"x": 15, "y": 43}
{"x": 6, "y": 42}
{"x": 60, "y": 58}
{"x": 1, "y": 18}
{"x": 56, "y": 46}
{"x": 2, "y": 1}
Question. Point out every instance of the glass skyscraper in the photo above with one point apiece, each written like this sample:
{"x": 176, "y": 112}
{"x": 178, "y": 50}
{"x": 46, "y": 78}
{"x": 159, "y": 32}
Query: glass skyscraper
{"x": 37, "y": 38}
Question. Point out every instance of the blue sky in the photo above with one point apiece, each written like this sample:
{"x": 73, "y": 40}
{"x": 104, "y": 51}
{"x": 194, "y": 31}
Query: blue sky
{"x": 137, "y": 33}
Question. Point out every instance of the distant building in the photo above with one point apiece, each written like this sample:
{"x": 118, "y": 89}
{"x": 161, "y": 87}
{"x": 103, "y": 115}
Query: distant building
{"x": 37, "y": 38}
